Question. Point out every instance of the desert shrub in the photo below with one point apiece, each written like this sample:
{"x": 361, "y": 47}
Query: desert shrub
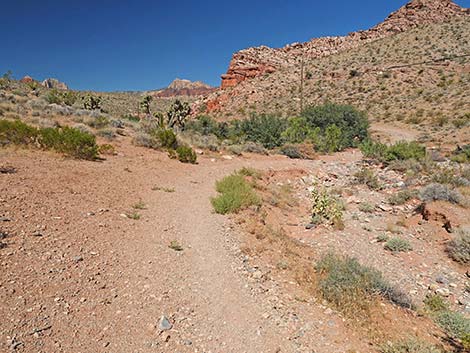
{"x": 326, "y": 208}
{"x": 205, "y": 125}
{"x": 396, "y": 245}
{"x": 53, "y": 96}
{"x": 235, "y": 194}
{"x": 409, "y": 346}
{"x": 166, "y": 137}
{"x": 439, "y": 192}
{"x": 367, "y": 177}
{"x": 351, "y": 125}
{"x": 453, "y": 323}
{"x": 350, "y": 286}
{"x": 186, "y": 154}
{"x": 459, "y": 247}
{"x": 291, "y": 151}
{"x": 130, "y": 117}
{"x": 435, "y": 303}
{"x": 461, "y": 154}
{"x": 17, "y": 133}
{"x": 399, "y": 151}
{"x": 299, "y": 130}
{"x": 449, "y": 176}
{"x": 98, "y": 123}
{"x": 402, "y": 197}
{"x": 250, "y": 172}
{"x": 69, "y": 141}
{"x": 366, "y": 207}
{"x": 264, "y": 129}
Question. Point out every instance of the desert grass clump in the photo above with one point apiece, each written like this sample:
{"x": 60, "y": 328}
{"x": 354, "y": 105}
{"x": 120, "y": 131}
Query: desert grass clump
{"x": 459, "y": 247}
{"x": 440, "y": 192}
{"x": 236, "y": 193}
{"x": 401, "y": 197}
{"x": 367, "y": 177}
{"x": 350, "y": 286}
{"x": 456, "y": 325}
{"x": 397, "y": 245}
{"x": 409, "y": 346}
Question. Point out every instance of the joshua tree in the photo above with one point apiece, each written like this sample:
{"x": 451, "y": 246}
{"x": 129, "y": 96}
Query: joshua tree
{"x": 175, "y": 117}
{"x": 177, "y": 114}
{"x": 145, "y": 104}
{"x": 92, "y": 102}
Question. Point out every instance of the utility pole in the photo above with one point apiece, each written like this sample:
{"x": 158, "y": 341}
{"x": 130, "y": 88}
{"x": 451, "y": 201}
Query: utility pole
{"x": 302, "y": 77}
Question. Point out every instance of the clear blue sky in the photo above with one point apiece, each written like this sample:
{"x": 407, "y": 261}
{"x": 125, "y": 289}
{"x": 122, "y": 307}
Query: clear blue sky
{"x": 143, "y": 44}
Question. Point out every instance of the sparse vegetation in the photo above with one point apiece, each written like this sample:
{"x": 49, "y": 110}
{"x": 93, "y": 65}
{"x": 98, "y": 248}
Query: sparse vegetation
{"x": 367, "y": 177}
{"x": 403, "y": 196}
{"x": 454, "y": 324}
{"x": 186, "y": 154}
{"x": 409, "y": 346}
{"x": 352, "y": 287}
{"x": 326, "y": 208}
{"x": 235, "y": 194}
{"x": 397, "y": 245}
{"x": 399, "y": 151}
{"x": 174, "y": 245}
{"x": 67, "y": 140}
{"x": 439, "y": 192}
{"x": 459, "y": 247}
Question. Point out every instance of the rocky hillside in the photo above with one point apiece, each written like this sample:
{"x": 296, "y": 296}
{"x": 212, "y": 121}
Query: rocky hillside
{"x": 254, "y": 62}
{"x": 413, "y": 68}
{"x": 186, "y": 88}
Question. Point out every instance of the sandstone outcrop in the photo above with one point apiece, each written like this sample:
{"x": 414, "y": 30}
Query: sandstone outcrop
{"x": 253, "y": 62}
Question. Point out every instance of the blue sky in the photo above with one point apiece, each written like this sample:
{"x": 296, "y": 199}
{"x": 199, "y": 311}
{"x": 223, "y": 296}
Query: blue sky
{"x": 142, "y": 44}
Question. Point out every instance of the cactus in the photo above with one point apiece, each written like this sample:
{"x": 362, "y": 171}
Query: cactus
{"x": 92, "y": 102}
{"x": 177, "y": 114}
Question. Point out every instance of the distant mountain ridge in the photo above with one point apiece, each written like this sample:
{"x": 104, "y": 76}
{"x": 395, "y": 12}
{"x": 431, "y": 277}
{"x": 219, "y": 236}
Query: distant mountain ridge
{"x": 181, "y": 87}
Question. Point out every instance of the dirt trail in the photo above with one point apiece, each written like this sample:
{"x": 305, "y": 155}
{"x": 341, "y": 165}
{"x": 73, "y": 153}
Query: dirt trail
{"x": 78, "y": 275}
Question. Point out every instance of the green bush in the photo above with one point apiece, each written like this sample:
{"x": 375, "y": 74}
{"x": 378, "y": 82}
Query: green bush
{"x": 166, "y": 137}
{"x": 235, "y": 194}
{"x": 299, "y": 130}
{"x": 69, "y": 141}
{"x": 398, "y": 245}
{"x": 459, "y": 247}
{"x": 55, "y": 96}
{"x": 350, "y": 286}
{"x": 186, "y": 154}
{"x": 17, "y": 133}
{"x": 326, "y": 208}
{"x": 264, "y": 129}
{"x": 399, "y": 151}
{"x": 351, "y": 126}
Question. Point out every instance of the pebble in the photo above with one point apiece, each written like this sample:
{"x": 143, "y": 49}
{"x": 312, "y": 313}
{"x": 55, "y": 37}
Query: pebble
{"x": 164, "y": 324}
{"x": 443, "y": 292}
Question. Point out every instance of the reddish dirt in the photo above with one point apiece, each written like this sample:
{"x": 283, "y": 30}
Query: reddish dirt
{"x": 78, "y": 275}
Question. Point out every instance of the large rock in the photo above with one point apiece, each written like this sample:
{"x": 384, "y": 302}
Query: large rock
{"x": 54, "y": 83}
